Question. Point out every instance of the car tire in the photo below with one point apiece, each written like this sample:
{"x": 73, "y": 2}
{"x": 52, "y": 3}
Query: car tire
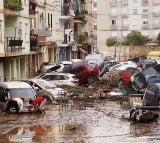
{"x": 91, "y": 79}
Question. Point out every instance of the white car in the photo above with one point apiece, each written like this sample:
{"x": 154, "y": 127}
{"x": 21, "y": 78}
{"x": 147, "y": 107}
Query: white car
{"x": 46, "y": 65}
{"x": 123, "y": 65}
{"x": 17, "y": 89}
{"x": 43, "y": 87}
{"x": 60, "y": 79}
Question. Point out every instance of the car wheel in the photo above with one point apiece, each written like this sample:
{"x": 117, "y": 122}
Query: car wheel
{"x": 91, "y": 79}
{"x": 120, "y": 83}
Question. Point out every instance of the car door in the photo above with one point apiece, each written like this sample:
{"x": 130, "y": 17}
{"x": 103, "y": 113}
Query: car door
{"x": 126, "y": 75}
{"x": 51, "y": 78}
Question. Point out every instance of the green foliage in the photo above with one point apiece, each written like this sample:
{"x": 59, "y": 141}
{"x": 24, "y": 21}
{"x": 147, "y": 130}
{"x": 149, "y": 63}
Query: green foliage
{"x": 13, "y": 4}
{"x": 135, "y": 38}
{"x": 83, "y": 37}
{"x": 111, "y": 42}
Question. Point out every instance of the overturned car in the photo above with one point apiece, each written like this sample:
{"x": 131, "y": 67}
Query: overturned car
{"x": 140, "y": 80}
{"x": 144, "y": 106}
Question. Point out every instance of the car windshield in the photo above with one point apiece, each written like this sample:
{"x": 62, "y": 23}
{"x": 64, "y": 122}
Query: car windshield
{"x": 152, "y": 71}
{"x": 21, "y": 92}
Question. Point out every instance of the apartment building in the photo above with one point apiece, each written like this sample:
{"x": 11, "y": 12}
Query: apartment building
{"x": 36, "y": 31}
{"x": 14, "y": 39}
{"x": 76, "y": 20}
{"x": 117, "y": 18}
{"x": 42, "y": 31}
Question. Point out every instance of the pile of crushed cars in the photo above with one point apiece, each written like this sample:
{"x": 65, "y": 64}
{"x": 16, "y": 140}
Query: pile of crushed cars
{"x": 143, "y": 77}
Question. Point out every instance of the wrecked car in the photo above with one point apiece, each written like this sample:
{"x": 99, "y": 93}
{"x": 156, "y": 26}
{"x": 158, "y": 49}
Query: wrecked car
{"x": 140, "y": 80}
{"x": 144, "y": 106}
{"x": 122, "y": 76}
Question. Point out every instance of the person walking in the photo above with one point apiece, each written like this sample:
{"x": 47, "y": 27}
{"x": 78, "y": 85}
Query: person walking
{"x": 39, "y": 103}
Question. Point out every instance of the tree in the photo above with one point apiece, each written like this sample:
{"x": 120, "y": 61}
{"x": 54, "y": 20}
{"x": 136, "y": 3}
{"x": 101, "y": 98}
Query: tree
{"x": 135, "y": 38}
{"x": 111, "y": 42}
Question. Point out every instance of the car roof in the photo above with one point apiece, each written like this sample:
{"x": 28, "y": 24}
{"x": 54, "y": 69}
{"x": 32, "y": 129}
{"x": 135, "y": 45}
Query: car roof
{"x": 14, "y": 84}
{"x": 41, "y": 82}
{"x": 59, "y": 73}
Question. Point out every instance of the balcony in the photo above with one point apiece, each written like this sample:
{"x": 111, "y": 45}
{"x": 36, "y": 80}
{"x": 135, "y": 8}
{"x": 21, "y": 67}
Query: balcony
{"x": 156, "y": 14}
{"x": 145, "y": 14}
{"x": 156, "y": 26}
{"x": 13, "y": 44}
{"x": 125, "y": 27}
{"x": 114, "y": 15}
{"x": 113, "y": 3}
{"x": 125, "y": 15}
{"x": 145, "y": 2}
{"x": 15, "y": 5}
{"x": 124, "y": 2}
{"x": 38, "y": 36}
{"x": 145, "y": 26}
{"x": 114, "y": 27}
{"x": 156, "y": 2}
{"x": 42, "y": 32}
{"x": 32, "y": 6}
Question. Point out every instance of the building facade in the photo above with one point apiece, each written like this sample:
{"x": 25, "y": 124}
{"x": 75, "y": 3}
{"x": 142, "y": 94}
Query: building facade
{"x": 117, "y": 18}
{"x": 37, "y": 31}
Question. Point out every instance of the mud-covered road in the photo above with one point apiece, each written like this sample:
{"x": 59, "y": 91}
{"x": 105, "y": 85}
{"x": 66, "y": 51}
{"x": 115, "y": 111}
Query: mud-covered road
{"x": 102, "y": 121}
{"x": 105, "y": 122}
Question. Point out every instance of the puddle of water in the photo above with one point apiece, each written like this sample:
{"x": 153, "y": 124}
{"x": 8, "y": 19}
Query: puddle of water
{"x": 105, "y": 122}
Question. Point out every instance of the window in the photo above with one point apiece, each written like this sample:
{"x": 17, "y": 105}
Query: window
{"x": 156, "y": 1}
{"x": 145, "y": 21}
{"x": 113, "y": 22}
{"x": 134, "y": 1}
{"x": 95, "y": 4}
{"x": 135, "y": 11}
{"x": 145, "y": 10}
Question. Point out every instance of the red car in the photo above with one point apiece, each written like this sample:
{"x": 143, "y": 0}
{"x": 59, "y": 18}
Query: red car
{"x": 83, "y": 72}
{"x": 122, "y": 77}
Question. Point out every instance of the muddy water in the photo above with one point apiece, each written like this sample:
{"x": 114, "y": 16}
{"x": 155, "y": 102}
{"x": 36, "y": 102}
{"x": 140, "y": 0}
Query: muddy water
{"x": 104, "y": 122}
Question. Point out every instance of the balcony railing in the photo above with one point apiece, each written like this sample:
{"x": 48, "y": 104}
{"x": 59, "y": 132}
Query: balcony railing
{"x": 156, "y": 14}
{"x": 156, "y": 2}
{"x": 42, "y": 32}
{"x": 13, "y": 44}
{"x": 156, "y": 26}
{"x": 125, "y": 26}
{"x": 15, "y": 5}
{"x": 125, "y": 2}
{"x": 113, "y": 3}
{"x": 114, "y": 27}
{"x": 145, "y": 26}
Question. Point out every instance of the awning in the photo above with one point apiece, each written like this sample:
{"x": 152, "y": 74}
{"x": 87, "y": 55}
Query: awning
{"x": 66, "y": 17}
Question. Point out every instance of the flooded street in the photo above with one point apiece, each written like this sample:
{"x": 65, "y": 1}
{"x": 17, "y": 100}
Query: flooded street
{"x": 105, "y": 122}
